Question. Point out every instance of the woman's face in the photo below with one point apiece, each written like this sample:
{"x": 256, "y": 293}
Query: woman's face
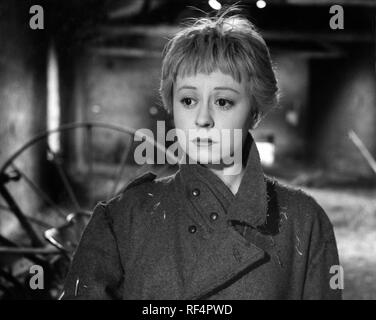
{"x": 215, "y": 108}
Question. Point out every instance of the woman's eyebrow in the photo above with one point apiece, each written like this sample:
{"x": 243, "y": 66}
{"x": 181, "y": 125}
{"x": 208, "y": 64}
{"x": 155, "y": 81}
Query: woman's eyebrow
{"x": 226, "y": 88}
{"x": 187, "y": 87}
{"x": 216, "y": 88}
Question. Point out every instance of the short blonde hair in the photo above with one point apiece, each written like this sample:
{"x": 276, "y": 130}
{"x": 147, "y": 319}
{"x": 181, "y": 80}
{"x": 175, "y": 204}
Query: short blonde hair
{"x": 229, "y": 43}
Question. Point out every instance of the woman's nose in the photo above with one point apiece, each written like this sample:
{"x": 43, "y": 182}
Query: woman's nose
{"x": 204, "y": 118}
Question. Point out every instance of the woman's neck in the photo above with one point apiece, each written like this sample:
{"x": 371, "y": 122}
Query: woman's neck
{"x": 231, "y": 177}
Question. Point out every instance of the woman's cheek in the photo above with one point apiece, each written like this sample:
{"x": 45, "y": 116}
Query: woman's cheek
{"x": 232, "y": 143}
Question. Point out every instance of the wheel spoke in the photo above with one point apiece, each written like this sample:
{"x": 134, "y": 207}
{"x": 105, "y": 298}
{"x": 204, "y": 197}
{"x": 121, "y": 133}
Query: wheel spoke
{"x": 89, "y": 137}
{"x": 119, "y": 172}
{"x": 20, "y": 216}
{"x": 39, "y": 222}
{"x": 30, "y": 219}
{"x": 65, "y": 180}
{"x": 39, "y": 191}
{"x": 26, "y": 250}
{"x": 8, "y": 243}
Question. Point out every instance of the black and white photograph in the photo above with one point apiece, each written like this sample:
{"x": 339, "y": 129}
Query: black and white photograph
{"x": 187, "y": 150}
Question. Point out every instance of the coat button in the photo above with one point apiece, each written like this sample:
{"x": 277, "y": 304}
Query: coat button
{"x": 196, "y": 192}
{"x": 192, "y": 229}
{"x": 214, "y": 216}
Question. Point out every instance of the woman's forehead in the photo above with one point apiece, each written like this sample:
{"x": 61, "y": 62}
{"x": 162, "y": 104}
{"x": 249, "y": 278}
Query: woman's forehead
{"x": 216, "y": 77}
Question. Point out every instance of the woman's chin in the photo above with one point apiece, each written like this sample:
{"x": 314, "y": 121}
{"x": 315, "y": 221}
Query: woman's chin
{"x": 210, "y": 155}
{"x": 207, "y": 158}
{"x": 204, "y": 157}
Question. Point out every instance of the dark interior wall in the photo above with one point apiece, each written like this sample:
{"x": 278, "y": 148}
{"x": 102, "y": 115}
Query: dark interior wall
{"x": 343, "y": 98}
{"x": 293, "y": 81}
{"x": 115, "y": 90}
{"x": 122, "y": 90}
{"x": 22, "y": 99}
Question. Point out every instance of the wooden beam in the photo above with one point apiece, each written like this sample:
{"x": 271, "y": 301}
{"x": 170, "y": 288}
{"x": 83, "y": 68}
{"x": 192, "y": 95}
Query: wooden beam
{"x": 163, "y": 31}
{"x": 318, "y": 37}
{"x": 141, "y": 30}
{"x": 126, "y": 10}
{"x": 358, "y": 3}
{"x": 126, "y": 52}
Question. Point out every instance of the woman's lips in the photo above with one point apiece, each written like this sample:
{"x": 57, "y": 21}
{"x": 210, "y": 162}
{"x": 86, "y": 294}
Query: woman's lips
{"x": 203, "y": 141}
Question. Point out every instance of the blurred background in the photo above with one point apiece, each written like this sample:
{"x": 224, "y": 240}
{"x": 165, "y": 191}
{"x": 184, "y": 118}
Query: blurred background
{"x": 93, "y": 72}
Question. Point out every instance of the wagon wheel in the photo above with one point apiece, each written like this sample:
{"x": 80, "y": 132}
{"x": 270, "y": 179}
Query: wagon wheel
{"x": 63, "y": 186}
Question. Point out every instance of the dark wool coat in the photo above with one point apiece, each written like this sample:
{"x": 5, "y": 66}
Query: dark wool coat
{"x": 187, "y": 236}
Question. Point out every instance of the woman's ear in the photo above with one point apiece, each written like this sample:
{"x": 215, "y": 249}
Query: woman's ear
{"x": 251, "y": 120}
{"x": 254, "y": 118}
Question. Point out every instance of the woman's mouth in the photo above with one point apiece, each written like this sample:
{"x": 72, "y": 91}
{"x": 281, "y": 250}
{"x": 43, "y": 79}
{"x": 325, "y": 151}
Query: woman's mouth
{"x": 203, "y": 142}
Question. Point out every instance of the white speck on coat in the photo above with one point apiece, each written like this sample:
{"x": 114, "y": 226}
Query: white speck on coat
{"x": 297, "y": 246}
{"x": 76, "y": 287}
{"x": 61, "y": 296}
{"x": 279, "y": 260}
{"x": 156, "y": 205}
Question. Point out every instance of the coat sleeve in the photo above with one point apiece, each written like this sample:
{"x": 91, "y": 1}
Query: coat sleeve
{"x": 324, "y": 278}
{"x": 96, "y": 271}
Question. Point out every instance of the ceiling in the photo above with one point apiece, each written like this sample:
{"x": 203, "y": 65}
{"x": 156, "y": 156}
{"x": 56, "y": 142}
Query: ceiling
{"x": 134, "y": 24}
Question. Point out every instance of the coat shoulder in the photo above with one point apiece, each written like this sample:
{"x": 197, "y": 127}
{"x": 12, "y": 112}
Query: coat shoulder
{"x": 149, "y": 180}
{"x": 298, "y": 205}
{"x": 139, "y": 193}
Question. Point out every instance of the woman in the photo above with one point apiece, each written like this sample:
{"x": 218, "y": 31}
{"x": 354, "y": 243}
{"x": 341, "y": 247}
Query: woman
{"x": 215, "y": 229}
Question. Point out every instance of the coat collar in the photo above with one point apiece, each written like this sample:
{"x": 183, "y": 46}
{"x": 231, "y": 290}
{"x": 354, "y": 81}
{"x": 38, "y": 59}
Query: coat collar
{"x": 249, "y": 204}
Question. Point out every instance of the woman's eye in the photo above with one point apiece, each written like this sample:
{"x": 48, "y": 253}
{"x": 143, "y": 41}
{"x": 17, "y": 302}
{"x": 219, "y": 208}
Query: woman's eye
{"x": 224, "y": 103}
{"x": 187, "y": 102}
